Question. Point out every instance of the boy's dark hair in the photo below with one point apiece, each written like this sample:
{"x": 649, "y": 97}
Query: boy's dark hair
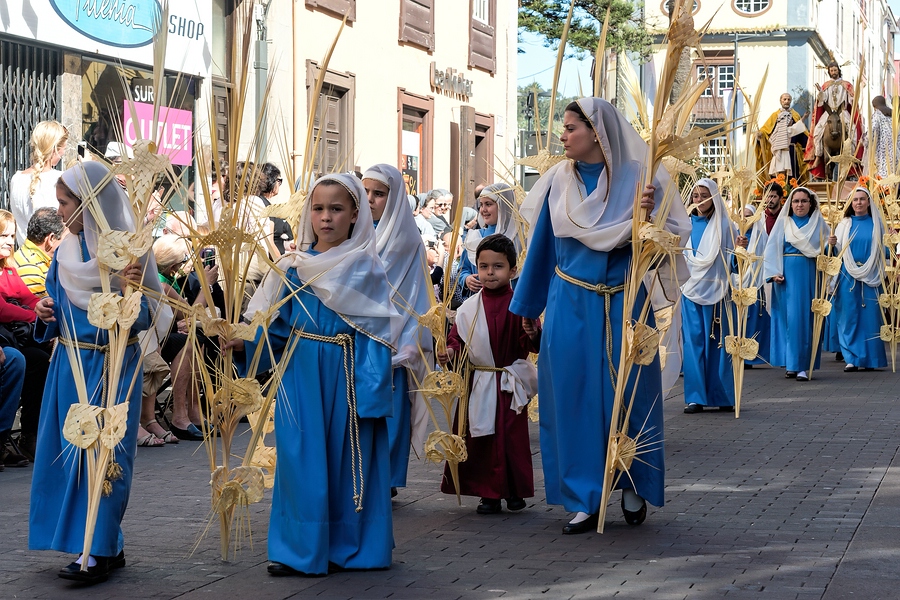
{"x": 774, "y": 187}
{"x": 43, "y": 222}
{"x": 499, "y": 243}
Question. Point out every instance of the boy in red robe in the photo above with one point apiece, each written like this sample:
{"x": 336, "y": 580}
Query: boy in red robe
{"x": 497, "y": 344}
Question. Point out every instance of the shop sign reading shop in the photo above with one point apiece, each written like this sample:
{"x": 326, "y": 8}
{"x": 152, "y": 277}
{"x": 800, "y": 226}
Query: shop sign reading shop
{"x": 451, "y": 82}
{"x": 173, "y": 135}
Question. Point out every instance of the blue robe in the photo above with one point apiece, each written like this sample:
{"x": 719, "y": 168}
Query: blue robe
{"x": 398, "y": 425}
{"x": 313, "y": 520}
{"x": 58, "y": 486}
{"x": 792, "y": 317}
{"x": 708, "y": 374}
{"x": 858, "y": 313}
{"x": 574, "y": 386}
{"x": 759, "y": 322}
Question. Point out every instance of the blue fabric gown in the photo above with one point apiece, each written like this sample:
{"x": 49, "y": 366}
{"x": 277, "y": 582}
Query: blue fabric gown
{"x": 792, "y": 317}
{"x": 759, "y": 322}
{"x": 313, "y": 520}
{"x": 708, "y": 374}
{"x": 398, "y": 426}
{"x": 858, "y": 313}
{"x": 830, "y": 337}
{"x": 574, "y": 386}
{"x": 59, "y": 486}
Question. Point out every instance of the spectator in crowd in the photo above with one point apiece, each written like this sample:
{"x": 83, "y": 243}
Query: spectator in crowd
{"x": 17, "y": 311}
{"x": 442, "y": 201}
{"x": 426, "y": 211}
{"x": 269, "y": 184}
{"x": 36, "y": 186}
{"x": 45, "y": 230}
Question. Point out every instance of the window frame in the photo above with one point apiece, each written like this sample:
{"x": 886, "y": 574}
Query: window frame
{"x": 751, "y": 13}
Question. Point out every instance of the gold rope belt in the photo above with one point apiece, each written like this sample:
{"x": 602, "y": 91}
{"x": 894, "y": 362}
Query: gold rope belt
{"x": 488, "y": 369}
{"x": 794, "y": 254}
{"x": 78, "y": 345}
{"x": 601, "y": 289}
{"x": 345, "y": 341}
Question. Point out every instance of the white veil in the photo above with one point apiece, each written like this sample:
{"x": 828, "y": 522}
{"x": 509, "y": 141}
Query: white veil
{"x": 871, "y": 271}
{"x": 708, "y": 281}
{"x": 507, "y": 219}
{"x": 807, "y": 239}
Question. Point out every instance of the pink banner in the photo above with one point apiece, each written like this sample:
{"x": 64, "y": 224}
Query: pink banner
{"x": 173, "y": 136}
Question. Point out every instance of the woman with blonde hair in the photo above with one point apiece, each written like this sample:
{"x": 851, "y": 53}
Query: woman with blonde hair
{"x": 35, "y": 187}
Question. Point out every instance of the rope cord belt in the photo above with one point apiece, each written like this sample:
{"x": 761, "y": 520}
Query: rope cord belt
{"x": 601, "y": 289}
{"x": 488, "y": 369}
{"x": 794, "y": 254}
{"x": 345, "y": 341}
{"x": 78, "y": 345}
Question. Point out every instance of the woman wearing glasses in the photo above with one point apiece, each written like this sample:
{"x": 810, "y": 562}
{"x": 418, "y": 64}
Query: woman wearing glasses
{"x": 790, "y": 264}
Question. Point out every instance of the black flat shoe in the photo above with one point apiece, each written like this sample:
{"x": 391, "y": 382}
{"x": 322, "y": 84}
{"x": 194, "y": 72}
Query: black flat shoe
{"x": 851, "y": 369}
{"x": 726, "y": 409}
{"x": 790, "y": 374}
{"x": 96, "y": 574}
{"x": 394, "y": 492}
{"x": 488, "y": 506}
{"x": 802, "y": 377}
{"x": 191, "y": 434}
{"x": 277, "y": 569}
{"x": 589, "y": 524}
{"x": 634, "y": 517}
{"x": 515, "y": 504}
{"x": 692, "y": 408}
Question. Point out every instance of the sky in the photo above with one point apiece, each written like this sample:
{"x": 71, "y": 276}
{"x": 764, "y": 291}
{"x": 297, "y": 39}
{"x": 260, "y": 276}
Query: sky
{"x": 537, "y": 63}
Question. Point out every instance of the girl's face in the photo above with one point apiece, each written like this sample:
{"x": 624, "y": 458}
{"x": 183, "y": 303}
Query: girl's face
{"x": 68, "y": 207}
{"x": 332, "y": 213}
{"x": 702, "y": 197}
{"x": 800, "y": 204}
{"x": 378, "y": 195}
{"x": 860, "y": 203}
{"x": 8, "y": 240}
{"x": 579, "y": 140}
{"x": 488, "y": 209}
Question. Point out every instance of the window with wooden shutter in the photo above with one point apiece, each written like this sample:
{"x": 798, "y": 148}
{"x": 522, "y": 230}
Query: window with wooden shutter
{"x": 417, "y": 22}
{"x": 339, "y": 7}
{"x": 482, "y": 34}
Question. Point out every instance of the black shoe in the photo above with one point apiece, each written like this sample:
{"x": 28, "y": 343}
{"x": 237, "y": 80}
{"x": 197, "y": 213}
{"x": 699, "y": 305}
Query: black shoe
{"x": 790, "y": 374}
{"x": 277, "y": 569}
{"x": 838, "y": 356}
{"x": 515, "y": 504}
{"x": 96, "y": 574}
{"x": 11, "y": 456}
{"x": 394, "y": 492}
{"x": 191, "y": 434}
{"x": 747, "y": 366}
{"x": 489, "y": 506}
{"x": 802, "y": 377}
{"x": 589, "y": 524}
{"x": 726, "y": 409}
{"x": 634, "y": 517}
{"x": 851, "y": 369}
{"x": 692, "y": 408}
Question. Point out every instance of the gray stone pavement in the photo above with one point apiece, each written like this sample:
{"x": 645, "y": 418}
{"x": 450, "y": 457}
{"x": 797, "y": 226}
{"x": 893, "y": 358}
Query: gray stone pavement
{"x": 799, "y": 498}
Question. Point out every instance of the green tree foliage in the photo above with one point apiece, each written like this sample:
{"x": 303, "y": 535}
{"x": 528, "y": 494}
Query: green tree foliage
{"x": 548, "y": 17}
{"x": 543, "y": 107}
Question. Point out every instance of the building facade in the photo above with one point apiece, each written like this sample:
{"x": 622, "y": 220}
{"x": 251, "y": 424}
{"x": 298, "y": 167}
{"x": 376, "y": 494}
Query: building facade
{"x": 788, "y": 41}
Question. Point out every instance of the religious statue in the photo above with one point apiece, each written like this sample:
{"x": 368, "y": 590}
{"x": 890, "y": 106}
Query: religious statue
{"x": 834, "y": 104}
{"x": 781, "y": 140}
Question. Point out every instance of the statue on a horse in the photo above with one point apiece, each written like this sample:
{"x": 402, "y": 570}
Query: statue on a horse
{"x": 832, "y": 125}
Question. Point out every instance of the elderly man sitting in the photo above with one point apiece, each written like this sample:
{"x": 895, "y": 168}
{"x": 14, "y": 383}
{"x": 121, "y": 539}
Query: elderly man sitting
{"x": 45, "y": 229}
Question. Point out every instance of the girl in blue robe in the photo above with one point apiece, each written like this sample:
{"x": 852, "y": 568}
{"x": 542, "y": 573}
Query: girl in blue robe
{"x": 497, "y": 213}
{"x": 331, "y": 506}
{"x": 58, "y": 509}
{"x": 857, "y": 312}
{"x": 708, "y": 373}
{"x": 581, "y": 214}
{"x": 759, "y": 321}
{"x": 790, "y": 264}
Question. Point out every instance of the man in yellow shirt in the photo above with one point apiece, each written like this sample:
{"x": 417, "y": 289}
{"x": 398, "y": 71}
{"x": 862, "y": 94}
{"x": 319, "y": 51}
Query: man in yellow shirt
{"x": 45, "y": 229}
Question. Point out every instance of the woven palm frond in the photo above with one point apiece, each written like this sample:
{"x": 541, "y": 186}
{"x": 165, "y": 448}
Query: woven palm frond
{"x": 81, "y": 427}
{"x": 742, "y": 348}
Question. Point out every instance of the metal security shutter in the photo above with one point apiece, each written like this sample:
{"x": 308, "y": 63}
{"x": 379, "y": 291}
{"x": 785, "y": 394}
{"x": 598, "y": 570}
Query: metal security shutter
{"x": 417, "y": 22}
{"x": 29, "y": 93}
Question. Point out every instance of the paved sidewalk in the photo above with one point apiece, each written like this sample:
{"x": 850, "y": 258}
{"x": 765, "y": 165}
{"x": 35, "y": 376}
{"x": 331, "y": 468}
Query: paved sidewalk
{"x": 799, "y": 498}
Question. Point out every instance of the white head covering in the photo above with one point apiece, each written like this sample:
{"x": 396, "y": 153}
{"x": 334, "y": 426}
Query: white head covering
{"x": 602, "y": 220}
{"x": 349, "y": 279}
{"x": 871, "y": 271}
{"x": 807, "y": 239}
{"x": 99, "y": 193}
{"x": 708, "y": 281}
{"x": 507, "y": 219}
{"x": 758, "y": 240}
{"x": 401, "y": 250}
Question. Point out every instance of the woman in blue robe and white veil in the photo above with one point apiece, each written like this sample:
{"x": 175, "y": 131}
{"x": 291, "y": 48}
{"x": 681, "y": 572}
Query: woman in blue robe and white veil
{"x": 581, "y": 213}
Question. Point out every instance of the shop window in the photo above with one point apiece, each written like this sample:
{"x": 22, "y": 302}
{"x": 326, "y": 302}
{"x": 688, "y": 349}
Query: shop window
{"x": 415, "y": 143}
{"x": 482, "y": 34}
{"x": 417, "y": 23}
{"x": 338, "y": 7}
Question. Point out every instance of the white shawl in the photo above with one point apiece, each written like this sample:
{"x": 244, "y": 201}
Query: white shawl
{"x": 758, "y": 240}
{"x": 870, "y": 272}
{"x": 349, "y": 279}
{"x": 602, "y": 220}
{"x": 808, "y": 239}
{"x": 507, "y": 219}
{"x": 519, "y": 378}
{"x": 708, "y": 281}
